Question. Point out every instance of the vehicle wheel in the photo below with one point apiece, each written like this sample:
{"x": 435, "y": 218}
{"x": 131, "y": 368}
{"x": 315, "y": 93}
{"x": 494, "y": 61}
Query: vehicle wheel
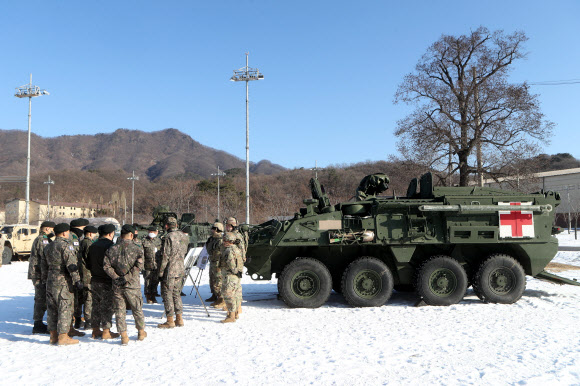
{"x": 441, "y": 281}
{"x": 305, "y": 283}
{"x": 404, "y": 287}
{"x": 367, "y": 282}
{"x": 500, "y": 279}
{"x": 6, "y": 255}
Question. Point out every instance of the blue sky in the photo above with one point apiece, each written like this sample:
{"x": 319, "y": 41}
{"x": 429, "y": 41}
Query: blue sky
{"x": 331, "y": 69}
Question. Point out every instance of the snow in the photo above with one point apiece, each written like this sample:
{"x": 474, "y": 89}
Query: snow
{"x": 535, "y": 341}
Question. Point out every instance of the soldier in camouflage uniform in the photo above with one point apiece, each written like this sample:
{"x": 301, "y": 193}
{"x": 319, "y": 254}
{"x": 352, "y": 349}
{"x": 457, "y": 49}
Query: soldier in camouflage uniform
{"x": 101, "y": 284}
{"x": 60, "y": 271}
{"x": 123, "y": 263}
{"x": 171, "y": 272}
{"x": 213, "y": 247}
{"x": 241, "y": 242}
{"x": 231, "y": 265}
{"x": 152, "y": 248}
{"x": 35, "y": 274}
{"x": 77, "y": 234}
{"x": 87, "y": 298}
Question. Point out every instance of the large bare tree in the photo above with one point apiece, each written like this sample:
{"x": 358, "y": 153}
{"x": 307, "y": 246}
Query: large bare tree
{"x": 467, "y": 117}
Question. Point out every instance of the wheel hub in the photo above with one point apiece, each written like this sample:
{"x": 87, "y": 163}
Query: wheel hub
{"x": 442, "y": 282}
{"x": 502, "y": 281}
{"x": 367, "y": 284}
{"x": 305, "y": 284}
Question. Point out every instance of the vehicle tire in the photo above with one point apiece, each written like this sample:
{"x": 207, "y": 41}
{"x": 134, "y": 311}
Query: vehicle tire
{"x": 441, "y": 281}
{"x": 500, "y": 279}
{"x": 6, "y": 255}
{"x": 404, "y": 287}
{"x": 305, "y": 283}
{"x": 367, "y": 282}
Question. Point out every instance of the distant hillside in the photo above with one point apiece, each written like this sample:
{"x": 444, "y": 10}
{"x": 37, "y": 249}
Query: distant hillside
{"x": 159, "y": 154}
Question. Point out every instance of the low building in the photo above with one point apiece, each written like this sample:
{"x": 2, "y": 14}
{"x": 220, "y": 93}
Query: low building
{"x": 38, "y": 211}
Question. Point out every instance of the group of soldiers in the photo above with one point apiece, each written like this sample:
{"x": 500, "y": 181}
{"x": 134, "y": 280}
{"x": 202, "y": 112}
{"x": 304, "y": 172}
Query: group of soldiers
{"x": 81, "y": 275}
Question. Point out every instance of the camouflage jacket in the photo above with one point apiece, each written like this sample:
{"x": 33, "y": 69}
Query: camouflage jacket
{"x": 152, "y": 250}
{"x": 124, "y": 259}
{"x": 36, "y": 256}
{"x": 231, "y": 260}
{"x": 173, "y": 252}
{"x": 84, "y": 256}
{"x": 59, "y": 265}
{"x": 213, "y": 246}
{"x": 242, "y": 243}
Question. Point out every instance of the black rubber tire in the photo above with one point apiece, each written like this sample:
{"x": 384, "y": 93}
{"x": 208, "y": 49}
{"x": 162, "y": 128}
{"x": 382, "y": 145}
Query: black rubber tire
{"x": 503, "y": 272}
{"x": 7, "y": 255}
{"x": 367, "y": 271}
{"x": 312, "y": 272}
{"x": 451, "y": 274}
{"x": 404, "y": 288}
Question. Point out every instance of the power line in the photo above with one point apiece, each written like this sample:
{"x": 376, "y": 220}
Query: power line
{"x": 555, "y": 82}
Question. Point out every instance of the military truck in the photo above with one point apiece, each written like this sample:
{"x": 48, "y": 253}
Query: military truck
{"x": 16, "y": 241}
{"x": 436, "y": 241}
{"x": 198, "y": 232}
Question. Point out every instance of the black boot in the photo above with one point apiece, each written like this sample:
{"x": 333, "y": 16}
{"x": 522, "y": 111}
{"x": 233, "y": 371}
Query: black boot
{"x": 40, "y": 328}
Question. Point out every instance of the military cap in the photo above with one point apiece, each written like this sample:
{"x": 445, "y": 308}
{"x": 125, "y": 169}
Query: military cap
{"x": 91, "y": 229}
{"x": 76, "y": 223}
{"x": 105, "y": 229}
{"x": 230, "y": 237}
{"x": 127, "y": 229}
{"x": 84, "y": 222}
{"x": 47, "y": 224}
{"x": 61, "y": 228}
{"x": 219, "y": 226}
{"x": 171, "y": 221}
{"x": 232, "y": 221}
{"x": 152, "y": 228}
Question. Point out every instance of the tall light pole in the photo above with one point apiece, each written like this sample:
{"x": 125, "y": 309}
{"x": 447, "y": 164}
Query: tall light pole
{"x": 48, "y": 183}
{"x": 316, "y": 169}
{"x": 218, "y": 174}
{"x": 246, "y": 74}
{"x": 29, "y": 91}
{"x": 133, "y": 178}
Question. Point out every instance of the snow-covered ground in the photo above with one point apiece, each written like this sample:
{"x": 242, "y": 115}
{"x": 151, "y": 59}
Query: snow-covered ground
{"x": 535, "y": 341}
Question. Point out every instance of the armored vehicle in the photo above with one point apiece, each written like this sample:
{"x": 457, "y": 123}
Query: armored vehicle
{"x": 436, "y": 241}
{"x": 16, "y": 240}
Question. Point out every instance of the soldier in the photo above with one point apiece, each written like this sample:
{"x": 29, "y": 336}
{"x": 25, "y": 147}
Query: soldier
{"x": 35, "y": 274}
{"x": 152, "y": 249}
{"x": 232, "y": 265}
{"x": 122, "y": 263}
{"x": 171, "y": 272}
{"x": 76, "y": 235}
{"x": 90, "y": 232}
{"x": 242, "y": 243}
{"x": 213, "y": 247}
{"x": 101, "y": 284}
{"x": 61, "y": 272}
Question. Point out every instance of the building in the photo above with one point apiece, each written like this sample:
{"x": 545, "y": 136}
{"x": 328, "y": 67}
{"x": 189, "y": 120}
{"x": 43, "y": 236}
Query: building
{"x": 38, "y": 211}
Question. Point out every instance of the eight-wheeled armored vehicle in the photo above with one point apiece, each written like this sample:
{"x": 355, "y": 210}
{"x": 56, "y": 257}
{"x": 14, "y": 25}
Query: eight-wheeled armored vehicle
{"x": 435, "y": 240}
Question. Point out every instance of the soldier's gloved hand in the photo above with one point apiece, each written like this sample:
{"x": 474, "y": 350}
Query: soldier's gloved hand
{"x": 79, "y": 284}
{"x": 121, "y": 281}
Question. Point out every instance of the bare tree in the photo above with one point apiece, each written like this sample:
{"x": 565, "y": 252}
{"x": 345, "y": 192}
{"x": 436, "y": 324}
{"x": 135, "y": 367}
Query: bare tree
{"x": 468, "y": 118}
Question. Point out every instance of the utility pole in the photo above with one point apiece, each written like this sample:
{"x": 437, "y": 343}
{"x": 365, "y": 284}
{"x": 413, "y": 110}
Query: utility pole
{"x": 48, "y": 183}
{"x": 478, "y": 130}
{"x": 29, "y": 91}
{"x": 218, "y": 174}
{"x": 246, "y": 74}
{"x": 316, "y": 169}
{"x": 133, "y": 178}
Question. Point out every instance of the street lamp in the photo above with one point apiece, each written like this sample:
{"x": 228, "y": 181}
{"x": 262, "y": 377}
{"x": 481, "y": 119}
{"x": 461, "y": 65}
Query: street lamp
{"x": 133, "y": 178}
{"x": 246, "y": 74}
{"x": 218, "y": 174}
{"x": 48, "y": 183}
{"x": 29, "y": 91}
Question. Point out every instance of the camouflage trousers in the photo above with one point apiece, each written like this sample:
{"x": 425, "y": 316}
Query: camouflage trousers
{"x": 87, "y": 304}
{"x": 171, "y": 294}
{"x": 102, "y": 305}
{"x": 151, "y": 279}
{"x": 215, "y": 278}
{"x": 60, "y": 306}
{"x": 78, "y": 299}
{"x": 39, "y": 302}
{"x": 231, "y": 291}
{"x": 132, "y": 297}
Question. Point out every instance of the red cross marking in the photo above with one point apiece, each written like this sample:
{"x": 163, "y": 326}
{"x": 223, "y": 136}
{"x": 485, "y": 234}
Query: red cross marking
{"x": 516, "y": 220}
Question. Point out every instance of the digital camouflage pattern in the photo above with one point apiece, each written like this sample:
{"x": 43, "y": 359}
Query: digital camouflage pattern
{"x": 87, "y": 297}
{"x": 172, "y": 270}
{"x": 125, "y": 259}
{"x": 232, "y": 266}
{"x": 78, "y": 295}
{"x": 213, "y": 247}
{"x": 152, "y": 250}
{"x": 60, "y": 265}
{"x": 35, "y": 274}
{"x": 102, "y": 311}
